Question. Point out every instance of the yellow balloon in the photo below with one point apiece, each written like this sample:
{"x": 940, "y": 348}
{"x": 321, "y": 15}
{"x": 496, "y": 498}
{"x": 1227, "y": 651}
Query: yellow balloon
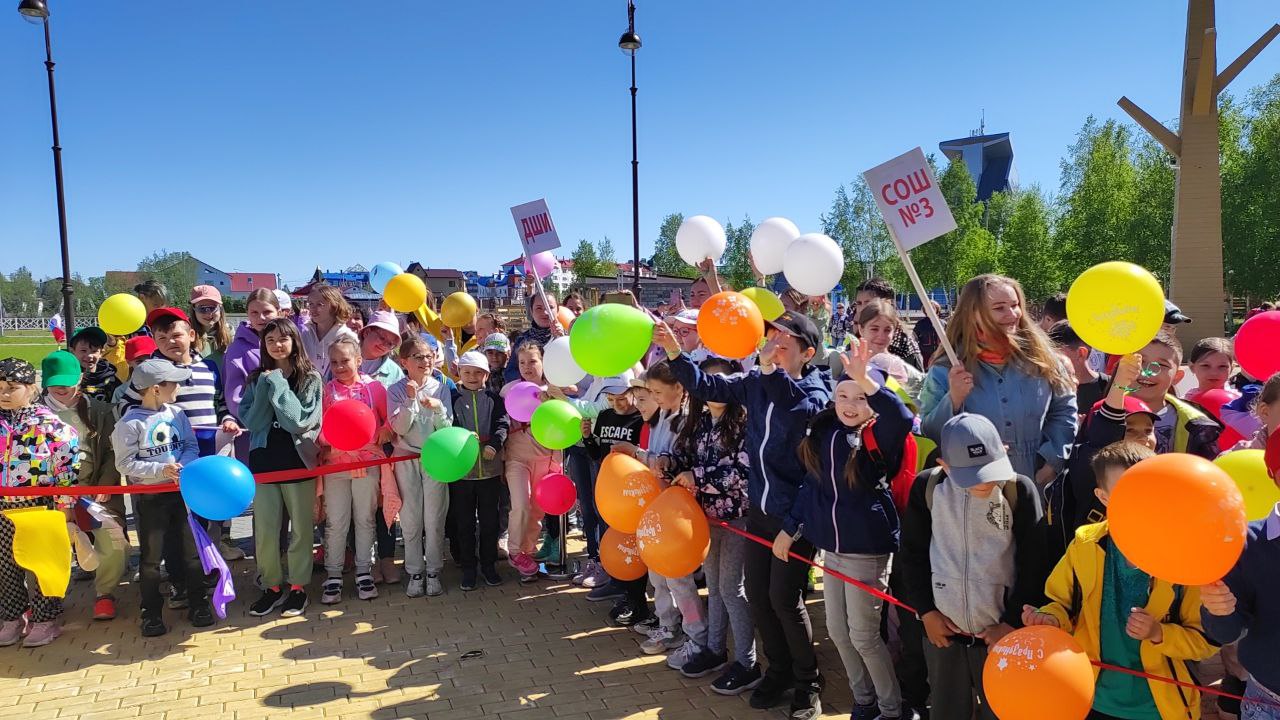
{"x": 1116, "y": 307}
{"x": 458, "y": 310}
{"x": 121, "y": 314}
{"x": 1249, "y": 469}
{"x": 405, "y": 292}
{"x": 769, "y": 304}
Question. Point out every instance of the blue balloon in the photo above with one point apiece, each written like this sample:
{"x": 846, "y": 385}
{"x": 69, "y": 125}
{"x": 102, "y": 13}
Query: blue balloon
{"x": 381, "y": 274}
{"x": 217, "y": 487}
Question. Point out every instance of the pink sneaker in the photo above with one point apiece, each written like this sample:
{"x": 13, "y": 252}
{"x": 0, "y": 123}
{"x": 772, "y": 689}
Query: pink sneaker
{"x": 12, "y": 631}
{"x": 41, "y": 634}
{"x": 525, "y": 564}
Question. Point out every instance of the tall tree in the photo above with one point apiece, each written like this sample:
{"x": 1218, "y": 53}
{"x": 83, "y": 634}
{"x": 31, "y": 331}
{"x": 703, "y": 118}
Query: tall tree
{"x": 735, "y": 265}
{"x": 1151, "y": 224}
{"x": 666, "y": 261}
{"x": 949, "y": 260}
{"x": 854, "y": 222}
{"x": 1027, "y": 251}
{"x": 21, "y": 293}
{"x": 586, "y": 262}
{"x": 1251, "y": 208}
{"x": 177, "y": 270}
{"x": 1098, "y": 195}
{"x": 607, "y": 257}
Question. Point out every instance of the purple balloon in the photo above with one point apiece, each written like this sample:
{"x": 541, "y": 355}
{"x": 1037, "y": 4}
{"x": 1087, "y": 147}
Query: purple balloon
{"x": 543, "y": 262}
{"x": 522, "y": 399}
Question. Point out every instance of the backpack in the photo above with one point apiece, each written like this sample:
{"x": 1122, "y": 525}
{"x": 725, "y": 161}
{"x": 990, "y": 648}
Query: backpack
{"x": 1008, "y": 489}
{"x": 899, "y": 478}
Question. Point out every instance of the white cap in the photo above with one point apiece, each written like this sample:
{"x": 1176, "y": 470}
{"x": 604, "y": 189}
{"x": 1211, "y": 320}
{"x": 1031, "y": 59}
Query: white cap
{"x": 474, "y": 359}
{"x": 282, "y": 297}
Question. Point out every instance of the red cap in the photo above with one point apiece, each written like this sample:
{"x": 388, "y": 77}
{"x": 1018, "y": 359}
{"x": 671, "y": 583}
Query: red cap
{"x": 155, "y": 315}
{"x": 1131, "y": 405}
{"x": 139, "y": 347}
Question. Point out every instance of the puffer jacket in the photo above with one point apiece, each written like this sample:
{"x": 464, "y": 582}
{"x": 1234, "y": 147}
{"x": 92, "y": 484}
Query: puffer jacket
{"x": 37, "y": 449}
{"x": 482, "y": 412}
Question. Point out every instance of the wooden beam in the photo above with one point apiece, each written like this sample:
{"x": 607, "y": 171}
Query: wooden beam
{"x": 1226, "y": 76}
{"x": 1202, "y": 101}
{"x": 1162, "y": 134}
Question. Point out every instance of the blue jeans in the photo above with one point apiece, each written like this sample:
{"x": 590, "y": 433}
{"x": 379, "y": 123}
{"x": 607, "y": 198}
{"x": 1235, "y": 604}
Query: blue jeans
{"x": 1268, "y": 707}
{"x": 582, "y": 470}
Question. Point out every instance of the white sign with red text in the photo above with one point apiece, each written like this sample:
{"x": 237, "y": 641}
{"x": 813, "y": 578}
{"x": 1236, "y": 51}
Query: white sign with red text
{"x": 533, "y": 224}
{"x": 910, "y": 200}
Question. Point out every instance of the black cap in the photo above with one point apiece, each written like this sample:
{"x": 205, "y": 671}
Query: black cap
{"x": 798, "y": 326}
{"x": 1173, "y": 314}
{"x": 93, "y": 334}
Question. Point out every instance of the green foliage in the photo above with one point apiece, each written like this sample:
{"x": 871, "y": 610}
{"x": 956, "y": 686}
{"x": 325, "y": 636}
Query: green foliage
{"x": 855, "y": 224}
{"x": 948, "y": 261}
{"x": 176, "y": 270}
{"x": 666, "y": 261}
{"x": 1027, "y": 251}
{"x": 607, "y": 257}
{"x": 735, "y": 265}
{"x": 586, "y": 262}
{"x": 1250, "y": 200}
{"x": 1098, "y": 197}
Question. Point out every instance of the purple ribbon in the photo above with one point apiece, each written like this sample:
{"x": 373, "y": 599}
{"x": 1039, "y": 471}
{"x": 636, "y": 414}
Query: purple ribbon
{"x": 210, "y": 559}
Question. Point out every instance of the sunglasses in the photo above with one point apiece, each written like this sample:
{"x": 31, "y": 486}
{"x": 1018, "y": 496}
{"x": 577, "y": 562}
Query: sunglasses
{"x": 206, "y": 309}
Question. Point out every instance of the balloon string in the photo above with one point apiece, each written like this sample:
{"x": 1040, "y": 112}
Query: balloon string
{"x": 895, "y": 601}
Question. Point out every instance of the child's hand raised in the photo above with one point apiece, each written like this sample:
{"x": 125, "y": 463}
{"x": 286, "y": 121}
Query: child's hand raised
{"x": 857, "y": 358}
{"x": 769, "y": 353}
{"x": 1128, "y": 371}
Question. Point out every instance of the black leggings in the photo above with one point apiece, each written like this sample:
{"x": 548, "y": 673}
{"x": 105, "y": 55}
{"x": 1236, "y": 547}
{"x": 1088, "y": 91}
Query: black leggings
{"x": 775, "y": 594}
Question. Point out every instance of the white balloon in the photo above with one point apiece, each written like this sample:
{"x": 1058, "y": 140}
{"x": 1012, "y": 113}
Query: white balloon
{"x": 813, "y": 264}
{"x": 769, "y": 243}
{"x": 700, "y": 237}
{"x": 558, "y": 364}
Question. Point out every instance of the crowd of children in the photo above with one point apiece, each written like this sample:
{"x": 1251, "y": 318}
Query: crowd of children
{"x": 811, "y": 450}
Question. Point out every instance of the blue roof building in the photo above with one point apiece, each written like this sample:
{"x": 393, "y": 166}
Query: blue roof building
{"x": 989, "y": 159}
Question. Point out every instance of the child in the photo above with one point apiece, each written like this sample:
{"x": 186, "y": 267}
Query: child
{"x": 378, "y": 338}
{"x": 1181, "y": 427}
{"x": 38, "y": 449}
{"x": 1266, "y": 410}
{"x": 136, "y": 349}
{"x": 1091, "y": 385}
{"x": 99, "y": 379}
{"x": 972, "y": 557}
{"x": 710, "y": 459}
{"x": 847, "y": 510}
{"x": 475, "y": 498}
{"x": 153, "y": 441}
{"x": 1124, "y": 617}
{"x": 351, "y": 497}
{"x": 153, "y": 294}
{"x": 418, "y": 405}
{"x": 526, "y": 463}
{"x": 281, "y": 408}
{"x": 620, "y": 422}
{"x": 245, "y": 353}
{"x": 878, "y": 324}
{"x": 488, "y": 324}
{"x": 328, "y": 314}
{"x": 632, "y": 609}
{"x": 94, "y": 422}
{"x": 213, "y": 337}
{"x": 497, "y": 350}
{"x": 781, "y": 395}
{"x": 1211, "y": 362}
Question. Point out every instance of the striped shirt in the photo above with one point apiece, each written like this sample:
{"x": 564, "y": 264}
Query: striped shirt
{"x": 200, "y": 396}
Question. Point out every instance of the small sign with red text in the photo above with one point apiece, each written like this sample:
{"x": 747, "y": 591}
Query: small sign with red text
{"x": 910, "y": 200}
{"x": 533, "y": 224}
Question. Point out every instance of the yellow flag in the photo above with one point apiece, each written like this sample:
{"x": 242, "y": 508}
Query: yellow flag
{"x": 42, "y": 546}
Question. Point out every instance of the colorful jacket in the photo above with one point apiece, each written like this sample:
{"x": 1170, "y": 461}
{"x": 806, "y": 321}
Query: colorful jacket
{"x": 37, "y": 448}
{"x": 241, "y": 359}
{"x": 1074, "y": 591}
{"x": 720, "y": 471}
{"x": 97, "y": 456}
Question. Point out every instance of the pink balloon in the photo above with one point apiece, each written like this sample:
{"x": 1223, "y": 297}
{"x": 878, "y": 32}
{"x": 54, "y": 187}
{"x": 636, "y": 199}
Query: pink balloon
{"x": 522, "y": 399}
{"x": 555, "y": 494}
{"x": 543, "y": 262}
{"x": 1257, "y": 345}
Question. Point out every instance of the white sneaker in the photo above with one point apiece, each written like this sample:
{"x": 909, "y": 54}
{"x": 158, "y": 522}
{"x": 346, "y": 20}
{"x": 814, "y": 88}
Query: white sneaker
{"x": 365, "y": 589}
{"x": 415, "y": 586}
{"x": 682, "y": 655}
{"x": 660, "y": 640}
{"x": 434, "y": 588}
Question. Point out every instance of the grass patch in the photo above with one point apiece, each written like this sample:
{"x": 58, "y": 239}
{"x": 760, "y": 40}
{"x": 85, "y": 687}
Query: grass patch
{"x": 31, "y": 353}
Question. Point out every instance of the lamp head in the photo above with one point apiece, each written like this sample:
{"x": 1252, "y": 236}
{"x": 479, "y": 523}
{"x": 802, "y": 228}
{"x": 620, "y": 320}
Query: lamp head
{"x": 629, "y": 43}
{"x": 34, "y": 11}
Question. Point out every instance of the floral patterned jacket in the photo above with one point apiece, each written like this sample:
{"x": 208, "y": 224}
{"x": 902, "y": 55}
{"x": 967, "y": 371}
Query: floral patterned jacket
{"x": 720, "y": 472}
{"x": 37, "y": 448}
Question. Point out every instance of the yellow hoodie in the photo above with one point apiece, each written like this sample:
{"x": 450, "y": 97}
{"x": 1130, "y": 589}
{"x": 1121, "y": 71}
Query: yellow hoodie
{"x": 1077, "y": 583}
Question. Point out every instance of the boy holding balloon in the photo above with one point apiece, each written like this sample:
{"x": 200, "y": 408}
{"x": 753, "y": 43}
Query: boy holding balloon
{"x": 475, "y": 499}
{"x": 1181, "y": 426}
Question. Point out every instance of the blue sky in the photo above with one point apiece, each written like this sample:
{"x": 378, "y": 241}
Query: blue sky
{"x": 278, "y": 136}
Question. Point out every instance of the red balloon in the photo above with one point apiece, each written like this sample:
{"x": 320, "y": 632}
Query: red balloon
{"x": 1257, "y": 345}
{"x": 349, "y": 424}
{"x": 1213, "y": 400}
{"x": 555, "y": 494}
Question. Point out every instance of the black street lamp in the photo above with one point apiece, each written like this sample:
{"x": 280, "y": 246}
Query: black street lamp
{"x": 629, "y": 43}
{"x": 37, "y": 11}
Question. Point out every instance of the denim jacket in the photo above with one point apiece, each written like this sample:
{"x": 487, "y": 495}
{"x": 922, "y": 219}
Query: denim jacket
{"x": 1033, "y": 420}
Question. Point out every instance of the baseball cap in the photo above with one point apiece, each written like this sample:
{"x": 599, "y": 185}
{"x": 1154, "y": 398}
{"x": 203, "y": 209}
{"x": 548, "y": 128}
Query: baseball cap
{"x": 383, "y": 320}
{"x": 17, "y": 370}
{"x": 159, "y": 314}
{"x": 1173, "y": 314}
{"x": 60, "y": 369}
{"x": 139, "y": 347}
{"x": 203, "y": 293}
{"x": 150, "y": 373}
{"x": 94, "y": 334}
{"x": 283, "y": 299}
{"x": 497, "y": 342}
{"x": 1131, "y": 405}
{"x": 615, "y": 385}
{"x": 637, "y": 382}
{"x": 473, "y": 359}
{"x": 687, "y": 317}
{"x": 799, "y": 327}
{"x": 973, "y": 451}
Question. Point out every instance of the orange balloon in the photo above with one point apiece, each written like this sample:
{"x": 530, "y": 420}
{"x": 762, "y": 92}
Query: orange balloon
{"x": 673, "y": 534}
{"x": 565, "y": 317}
{"x": 1178, "y": 517}
{"x": 1038, "y": 673}
{"x": 730, "y": 325}
{"x": 625, "y": 488}
{"x": 620, "y": 556}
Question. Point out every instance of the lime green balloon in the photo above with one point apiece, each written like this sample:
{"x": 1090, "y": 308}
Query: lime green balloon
{"x": 770, "y": 306}
{"x": 556, "y": 424}
{"x": 450, "y": 453}
{"x": 610, "y": 338}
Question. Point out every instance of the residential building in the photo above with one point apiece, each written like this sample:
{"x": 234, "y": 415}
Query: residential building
{"x": 440, "y": 282}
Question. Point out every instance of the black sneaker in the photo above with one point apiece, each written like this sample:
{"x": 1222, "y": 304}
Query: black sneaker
{"x": 608, "y": 591}
{"x": 468, "y": 579}
{"x": 643, "y": 626}
{"x": 703, "y": 664}
{"x": 201, "y": 615}
{"x": 265, "y": 605}
{"x": 770, "y": 692}
{"x": 867, "y": 712}
{"x": 295, "y": 603}
{"x": 806, "y": 703}
{"x": 490, "y": 575}
{"x": 624, "y": 615}
{"x": 736, "y": 680}
{"x": 177, "y": 599}
{"x": 153, "y": 626}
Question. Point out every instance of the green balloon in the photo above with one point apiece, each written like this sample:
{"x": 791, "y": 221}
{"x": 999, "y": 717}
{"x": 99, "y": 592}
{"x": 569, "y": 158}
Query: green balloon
{"x": 450, "y": 453}
{"x": 556, "y": 424}
{"x": 608, "y": 339}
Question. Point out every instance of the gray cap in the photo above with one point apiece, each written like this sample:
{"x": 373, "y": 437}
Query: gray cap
{"x": 973, "y": 451}
{"x": 150, "y": 373}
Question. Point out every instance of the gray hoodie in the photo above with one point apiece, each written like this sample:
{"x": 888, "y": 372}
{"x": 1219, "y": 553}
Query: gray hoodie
{"x": 146, "y": 440}
{"x": 412, "y": 422}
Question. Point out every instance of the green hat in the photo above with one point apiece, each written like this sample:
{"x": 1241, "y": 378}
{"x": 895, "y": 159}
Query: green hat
{"x": 60, "y": 369}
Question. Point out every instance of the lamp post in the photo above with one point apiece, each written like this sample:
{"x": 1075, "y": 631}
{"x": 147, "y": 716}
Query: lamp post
{"x": 37, "y": 11}
{"x": 629, "y": 43}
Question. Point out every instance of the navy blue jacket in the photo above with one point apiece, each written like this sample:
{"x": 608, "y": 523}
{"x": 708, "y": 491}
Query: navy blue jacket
{"x": 860, "y": 519}
{"x": 778, "y": 412}
{"x": 1256, "y": 621}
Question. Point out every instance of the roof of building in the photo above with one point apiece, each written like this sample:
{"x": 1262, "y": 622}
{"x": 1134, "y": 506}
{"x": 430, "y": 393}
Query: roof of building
{"x": 448, "y": 273}
{"x": 248, "y": 282}
{"x": 997, "y": 160}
